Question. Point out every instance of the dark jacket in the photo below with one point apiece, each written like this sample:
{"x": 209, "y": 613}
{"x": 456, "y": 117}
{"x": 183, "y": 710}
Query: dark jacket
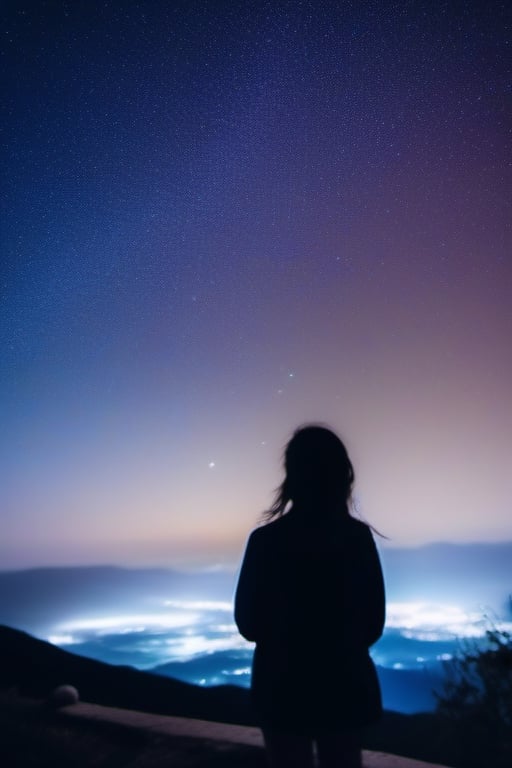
{"x": 311, "y": 595}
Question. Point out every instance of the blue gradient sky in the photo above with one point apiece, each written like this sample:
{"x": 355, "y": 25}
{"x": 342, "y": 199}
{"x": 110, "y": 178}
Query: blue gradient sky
{"x": 225, "y": 219}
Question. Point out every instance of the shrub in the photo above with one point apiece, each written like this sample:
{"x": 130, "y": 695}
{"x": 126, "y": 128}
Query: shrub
{"x": 477, "y": 700}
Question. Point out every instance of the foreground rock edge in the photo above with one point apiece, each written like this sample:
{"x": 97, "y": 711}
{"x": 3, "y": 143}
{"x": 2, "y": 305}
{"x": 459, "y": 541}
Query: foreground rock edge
{"x": 208, "y": 730}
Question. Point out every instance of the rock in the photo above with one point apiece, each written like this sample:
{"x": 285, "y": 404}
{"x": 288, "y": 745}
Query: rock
{"x": 64, "y": 695}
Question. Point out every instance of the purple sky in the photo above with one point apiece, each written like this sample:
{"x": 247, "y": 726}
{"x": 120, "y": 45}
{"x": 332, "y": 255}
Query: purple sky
{"x": 222, "y": 220}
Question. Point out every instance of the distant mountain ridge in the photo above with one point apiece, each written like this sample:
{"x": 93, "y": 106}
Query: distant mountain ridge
{"x": 467, "y": 573}
{"x": 34, "y": 599}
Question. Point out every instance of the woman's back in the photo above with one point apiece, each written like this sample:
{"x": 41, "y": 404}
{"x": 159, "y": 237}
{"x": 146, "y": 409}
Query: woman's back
{"x": 313, "y": 601}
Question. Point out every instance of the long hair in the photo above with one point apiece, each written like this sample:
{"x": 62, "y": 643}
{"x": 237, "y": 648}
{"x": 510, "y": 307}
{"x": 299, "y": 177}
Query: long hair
{"x": 318, "y": 473}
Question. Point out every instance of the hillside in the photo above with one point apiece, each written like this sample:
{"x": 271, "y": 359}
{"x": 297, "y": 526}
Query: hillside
{"x": 36, "y": 667}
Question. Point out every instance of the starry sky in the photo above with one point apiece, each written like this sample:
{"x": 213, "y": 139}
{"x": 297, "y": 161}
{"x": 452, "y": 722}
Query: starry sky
{"x": 225, "y": 219}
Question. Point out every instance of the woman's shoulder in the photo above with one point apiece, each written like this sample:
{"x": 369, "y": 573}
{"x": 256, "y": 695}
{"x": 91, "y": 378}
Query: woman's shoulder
{"x": 359, "y": 531}
{"x": 271, "y": 531}
{"x": 359, "y": 527}
{"x": 270, "y": 528}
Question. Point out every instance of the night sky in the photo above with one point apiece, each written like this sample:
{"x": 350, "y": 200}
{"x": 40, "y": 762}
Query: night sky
{"x": 222, "y": 220}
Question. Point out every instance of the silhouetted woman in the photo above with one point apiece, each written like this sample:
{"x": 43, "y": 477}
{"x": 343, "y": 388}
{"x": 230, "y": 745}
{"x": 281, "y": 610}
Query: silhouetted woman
{"x": 311, "y": 595}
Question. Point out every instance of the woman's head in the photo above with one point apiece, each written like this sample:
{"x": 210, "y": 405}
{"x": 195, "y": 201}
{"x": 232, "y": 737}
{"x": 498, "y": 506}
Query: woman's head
{"x": 318, "y": 473}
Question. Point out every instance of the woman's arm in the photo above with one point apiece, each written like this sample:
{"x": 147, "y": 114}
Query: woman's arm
{"x": 246, "y": 596}
{"x": 375, "y": 597}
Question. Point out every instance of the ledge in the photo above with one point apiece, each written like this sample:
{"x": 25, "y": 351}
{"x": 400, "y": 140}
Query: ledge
{"x": 206, "y": 730}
